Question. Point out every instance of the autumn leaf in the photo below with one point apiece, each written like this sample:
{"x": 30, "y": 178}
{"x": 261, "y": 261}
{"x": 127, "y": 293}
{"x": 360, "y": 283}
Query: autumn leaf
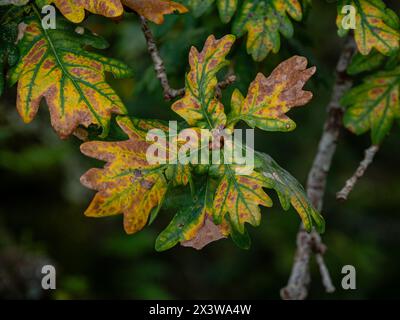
{"x": 54, "y": 66}
{"x": 178, "y": 173}
{"x": 375, "y": 26}
{"x": 374, "y": 105}
{"x": 240, "y": 196}
{"x": 153, "y": 10}
{"x": 200, "y": 107}
{"x": 74, "y": 10}
{"x": 290, "y": 192}
{"x": 193, "y": 224}
{"x": 264, "y": 21}
{"x": 128, "y": 184}
{"x": 268, "y": 99}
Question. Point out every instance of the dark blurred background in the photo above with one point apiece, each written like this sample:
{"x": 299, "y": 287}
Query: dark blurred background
{"x": 42, "y": 201}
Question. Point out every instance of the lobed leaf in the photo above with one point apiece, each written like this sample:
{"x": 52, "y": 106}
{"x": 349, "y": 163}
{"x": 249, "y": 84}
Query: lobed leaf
{"x": 375, "y": 26}
{"x": 240, "y": 197}
{"x": 54, "y": 66}
{"x": 74, "y": 10}
{"x": 193, "y": 226}
{"x": 128, "y": 184}
{"x": 153, "y": 10}
{"x": 373, "y": 105}
{"x": 289, "y": 191}
{"x": 200, "y": 107}
{"x": 268, "y": 99}
{"x": 264, "y": 21}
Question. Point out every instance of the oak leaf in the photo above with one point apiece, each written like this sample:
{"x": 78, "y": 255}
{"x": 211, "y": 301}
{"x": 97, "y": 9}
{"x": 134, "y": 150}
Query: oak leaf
{"x": 240, "y": 197}
{"x": 128, "y": 184}
{"x": 55, "y": 67}
{"x": 200, "y": 106}
{"x": 153, "y": 10}
{"x": 373, "y": 105}
{"x": 375, "y": 26}
{"x": 264, "y": 21}
{"x": 74, "y": 10}
{"x": 193, "y": 224}
{"x": 290, "y": 192}
{"x": 268, "y": 99}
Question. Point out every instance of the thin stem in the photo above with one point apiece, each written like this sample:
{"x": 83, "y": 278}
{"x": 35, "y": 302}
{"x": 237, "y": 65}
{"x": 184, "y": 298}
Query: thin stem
{"x": 362, "y": 167}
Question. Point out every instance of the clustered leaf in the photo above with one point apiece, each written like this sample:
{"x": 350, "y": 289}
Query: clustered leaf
{"x": 374, "y": 104}
{"x": 55, "y": 66}
{"x": 223, "y": 197}
{"x": 264, "y": 21}
{"x": 376, "y": 26}
{"x": 153, "y": 10}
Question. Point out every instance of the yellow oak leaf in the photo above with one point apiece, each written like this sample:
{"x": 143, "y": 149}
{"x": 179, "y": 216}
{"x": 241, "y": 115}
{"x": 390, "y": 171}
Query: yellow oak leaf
{"x": 376, "y": 26}
{"x": 200, "y": 107}
{"x": 153, "y": 10}
{"x": 128, "y": 184}
{"x": 55, "y": 67}
{"x": 240, "y": 197}
{"x": 268, "y": 99}
{"x": 374, "y": 105}
{"x": 74, "y": 10}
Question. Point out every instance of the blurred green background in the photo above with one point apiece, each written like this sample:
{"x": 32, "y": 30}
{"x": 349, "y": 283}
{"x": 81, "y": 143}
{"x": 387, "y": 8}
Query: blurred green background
{"x": 42, "y": 201}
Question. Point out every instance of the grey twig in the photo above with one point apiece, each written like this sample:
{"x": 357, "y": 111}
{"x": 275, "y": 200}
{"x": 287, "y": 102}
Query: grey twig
{"x": 309, "y": 243}
{"x": 169, "y": 92}
{"x": 363, "y": 166}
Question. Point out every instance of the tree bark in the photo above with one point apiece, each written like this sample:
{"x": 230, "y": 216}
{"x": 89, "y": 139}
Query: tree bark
{"x": 311, "y": 243}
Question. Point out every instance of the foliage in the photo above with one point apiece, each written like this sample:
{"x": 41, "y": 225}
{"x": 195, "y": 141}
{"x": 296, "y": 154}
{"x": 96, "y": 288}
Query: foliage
{"x": 154, "y": 10}
{"x": 264, "y": 21}
{"x": 59, "y": 67}
{"x": 373, "y": 105}
{"x": 129, "y": 184}
{"x": 376, "y": 26}
{"x": 55, "y": 66}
